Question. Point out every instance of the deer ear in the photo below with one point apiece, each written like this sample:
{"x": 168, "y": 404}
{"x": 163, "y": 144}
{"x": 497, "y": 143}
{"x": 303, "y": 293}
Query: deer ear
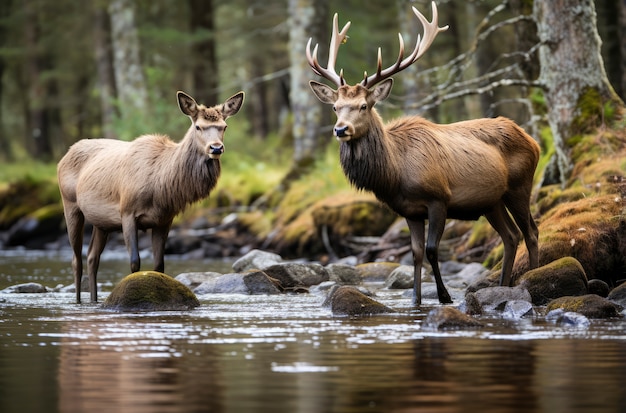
{"x": 324, "y": 93}
{"x": 382, "y": 90}
{"x": 187, "y": 104}
{"x": 232, "y": 105}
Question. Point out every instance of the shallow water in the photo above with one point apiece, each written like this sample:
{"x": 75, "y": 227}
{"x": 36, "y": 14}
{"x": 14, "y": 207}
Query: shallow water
{"x": 286, "y": 354}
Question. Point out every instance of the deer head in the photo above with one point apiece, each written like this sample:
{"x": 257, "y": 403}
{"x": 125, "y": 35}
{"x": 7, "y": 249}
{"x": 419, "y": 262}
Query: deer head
{"x": 353, "y": 104}
{"x": 209, "y": 124}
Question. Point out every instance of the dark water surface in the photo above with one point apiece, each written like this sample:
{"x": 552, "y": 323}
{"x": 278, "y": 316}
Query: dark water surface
{"x": 286, "y": 354}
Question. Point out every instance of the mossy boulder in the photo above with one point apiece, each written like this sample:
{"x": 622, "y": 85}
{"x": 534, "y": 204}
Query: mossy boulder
{"x": 37, "y": 228}
{"x": 590, "y": 305}
{"x": 563, "y": 277}
{"x": 150, "y": 291}
{"x": 348, "y": 300}
{"x": 324, "y": 224}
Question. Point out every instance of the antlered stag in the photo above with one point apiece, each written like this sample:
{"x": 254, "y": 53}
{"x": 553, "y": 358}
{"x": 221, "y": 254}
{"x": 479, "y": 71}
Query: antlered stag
{"x": 140, "y": 185}
{"x": 423, "y": 170}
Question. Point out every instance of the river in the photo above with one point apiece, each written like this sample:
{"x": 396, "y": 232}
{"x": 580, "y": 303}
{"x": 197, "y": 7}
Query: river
{"x": 285, "y": 353}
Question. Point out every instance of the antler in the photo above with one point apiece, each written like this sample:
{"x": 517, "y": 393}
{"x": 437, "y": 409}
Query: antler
{"x": 431, "y": 30}
{"x": 338, "y": 37}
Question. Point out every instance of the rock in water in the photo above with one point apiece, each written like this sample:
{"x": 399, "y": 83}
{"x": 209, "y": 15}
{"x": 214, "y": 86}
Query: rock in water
{"x": 150, "y": 291}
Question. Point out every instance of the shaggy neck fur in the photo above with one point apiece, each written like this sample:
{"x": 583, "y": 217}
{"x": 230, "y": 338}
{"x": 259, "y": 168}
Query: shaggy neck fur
{"x": 369, "y": 162}
{"x": 192, "y": 176}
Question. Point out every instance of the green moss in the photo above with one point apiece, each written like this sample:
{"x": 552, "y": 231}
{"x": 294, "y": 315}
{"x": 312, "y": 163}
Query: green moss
{"x": 150, "y": 291}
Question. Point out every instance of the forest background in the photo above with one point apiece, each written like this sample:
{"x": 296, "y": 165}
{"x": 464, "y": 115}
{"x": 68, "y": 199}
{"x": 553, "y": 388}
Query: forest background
{"x": 110, "y": 68}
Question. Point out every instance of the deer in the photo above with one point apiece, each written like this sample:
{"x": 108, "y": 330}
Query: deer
{"x": 139, "y": 185}
{"x": 425, "y": 171}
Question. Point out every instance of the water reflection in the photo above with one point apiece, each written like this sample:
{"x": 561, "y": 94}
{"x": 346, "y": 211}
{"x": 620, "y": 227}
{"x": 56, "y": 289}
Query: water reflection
{"x": 117, "y": 367}
{"x": 145, "y": 364}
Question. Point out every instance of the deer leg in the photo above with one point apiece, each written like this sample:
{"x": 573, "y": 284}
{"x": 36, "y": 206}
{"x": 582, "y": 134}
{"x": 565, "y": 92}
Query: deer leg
{"x": 416, "y": 229}
{"x": 436, "y": 224}
{"x": 159, "y": 237}
{"x": 96, "y": 246}
{"x": 501, "y": 221}
{"x": 75, "y": 221}
{"x": 129, "y": 229}
{"x": 520, "y": 210}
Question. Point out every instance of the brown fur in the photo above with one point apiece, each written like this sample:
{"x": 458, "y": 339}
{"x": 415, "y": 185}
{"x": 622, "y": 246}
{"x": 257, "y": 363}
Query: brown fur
{"x": 423, "y": 170}
{"x": 139, "y": 185}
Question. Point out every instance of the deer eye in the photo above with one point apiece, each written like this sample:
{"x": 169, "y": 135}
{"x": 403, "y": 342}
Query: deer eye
{"x": 334, "y": 108}
{"x": 197, "y": 127}
{"x": 363, "y": 106}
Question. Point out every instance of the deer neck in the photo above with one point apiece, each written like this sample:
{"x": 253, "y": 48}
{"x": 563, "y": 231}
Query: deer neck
{"x": 369, "y": 162}
{"x": 192, "y": 174}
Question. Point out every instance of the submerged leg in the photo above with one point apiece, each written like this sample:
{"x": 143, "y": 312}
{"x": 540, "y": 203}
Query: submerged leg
{"x": 436, "y": 224}
{"x": 503, "y": 224}
{"x": 96, "y": 246}
{"x": 416, "y": 228}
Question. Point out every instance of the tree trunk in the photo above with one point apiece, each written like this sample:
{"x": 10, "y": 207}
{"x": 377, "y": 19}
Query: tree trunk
{"x": 6, "y": 152}
{"x": 37, "y": 120}
{"x": 105, "y": 73}
{"x": 129, "y": 78}
{"x": 572, "y": 73}
{"x": 203, "y": 58}
{"x": 305, "y": 20}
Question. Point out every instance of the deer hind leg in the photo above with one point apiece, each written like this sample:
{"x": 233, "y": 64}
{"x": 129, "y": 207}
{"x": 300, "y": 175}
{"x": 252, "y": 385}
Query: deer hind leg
{"x": 416, "y": 229}
{"x": 96, "y": 246}
{"x": 159, "y": 237}
{"x": 436, "y": 224}
{"x": 519, "y": 206}
{"x": 503, "y": 224}
{"x": 75, "y": 222}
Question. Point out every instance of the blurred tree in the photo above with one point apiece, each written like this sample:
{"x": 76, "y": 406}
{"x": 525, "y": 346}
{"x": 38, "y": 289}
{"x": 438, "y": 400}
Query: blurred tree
{"x": 307, "y": 18}
{"x": 6, "y": 151}
{"x": 104, "y": 64}
{"x": 129, "y": 77}
{"x": 576, "y": 86}
{"x": 203, "y": 55}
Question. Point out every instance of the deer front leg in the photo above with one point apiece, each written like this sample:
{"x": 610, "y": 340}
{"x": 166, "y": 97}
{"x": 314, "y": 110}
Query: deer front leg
{"x": 416, "y": 229}
{"x": 129, "y": 229}
{"x": 436, "y": 224}
{"x": 96, "y": 246}
{"x": 159, "y": 237}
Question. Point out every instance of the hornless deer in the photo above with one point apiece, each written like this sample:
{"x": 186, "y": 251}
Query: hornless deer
{"x": 140, "y": 185}
{"x": 423, "y": 170}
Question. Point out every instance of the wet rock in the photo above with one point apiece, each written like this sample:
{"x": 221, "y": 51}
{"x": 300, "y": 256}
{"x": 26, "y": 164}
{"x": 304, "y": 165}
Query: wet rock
{"x": 443, "y": 318}
{"x": 194, "y": 279}
{"x": 495, "y": 298}
{"x": 343, "y": 274}
{"x": 471, "y": 305}
{"x": 563, "y": 277}
{"x": 400, "y": 278}
{"x": 38, "y": 228}
{"x": 567, "y": 318}
{"x": 376, "y": 271}
{"x": 150, "y": 291}
{"x": 295, "y": 275}
{"x": 256, "y": 259}
{"x": 348, "y": 300}
{"x": 590, "y": 305}
{"x": 598, "y": 287}
{"x": 618, "y": 295}
{"x": 517, "y": 309}
{"x": 466, "y": 275}
{"x": 26, "y": 288}
{"x": 253, "y": 282}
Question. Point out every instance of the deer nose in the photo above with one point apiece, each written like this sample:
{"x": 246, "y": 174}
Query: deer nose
{"x": 216, "y": 149}
{"x": 340, "y": 132}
